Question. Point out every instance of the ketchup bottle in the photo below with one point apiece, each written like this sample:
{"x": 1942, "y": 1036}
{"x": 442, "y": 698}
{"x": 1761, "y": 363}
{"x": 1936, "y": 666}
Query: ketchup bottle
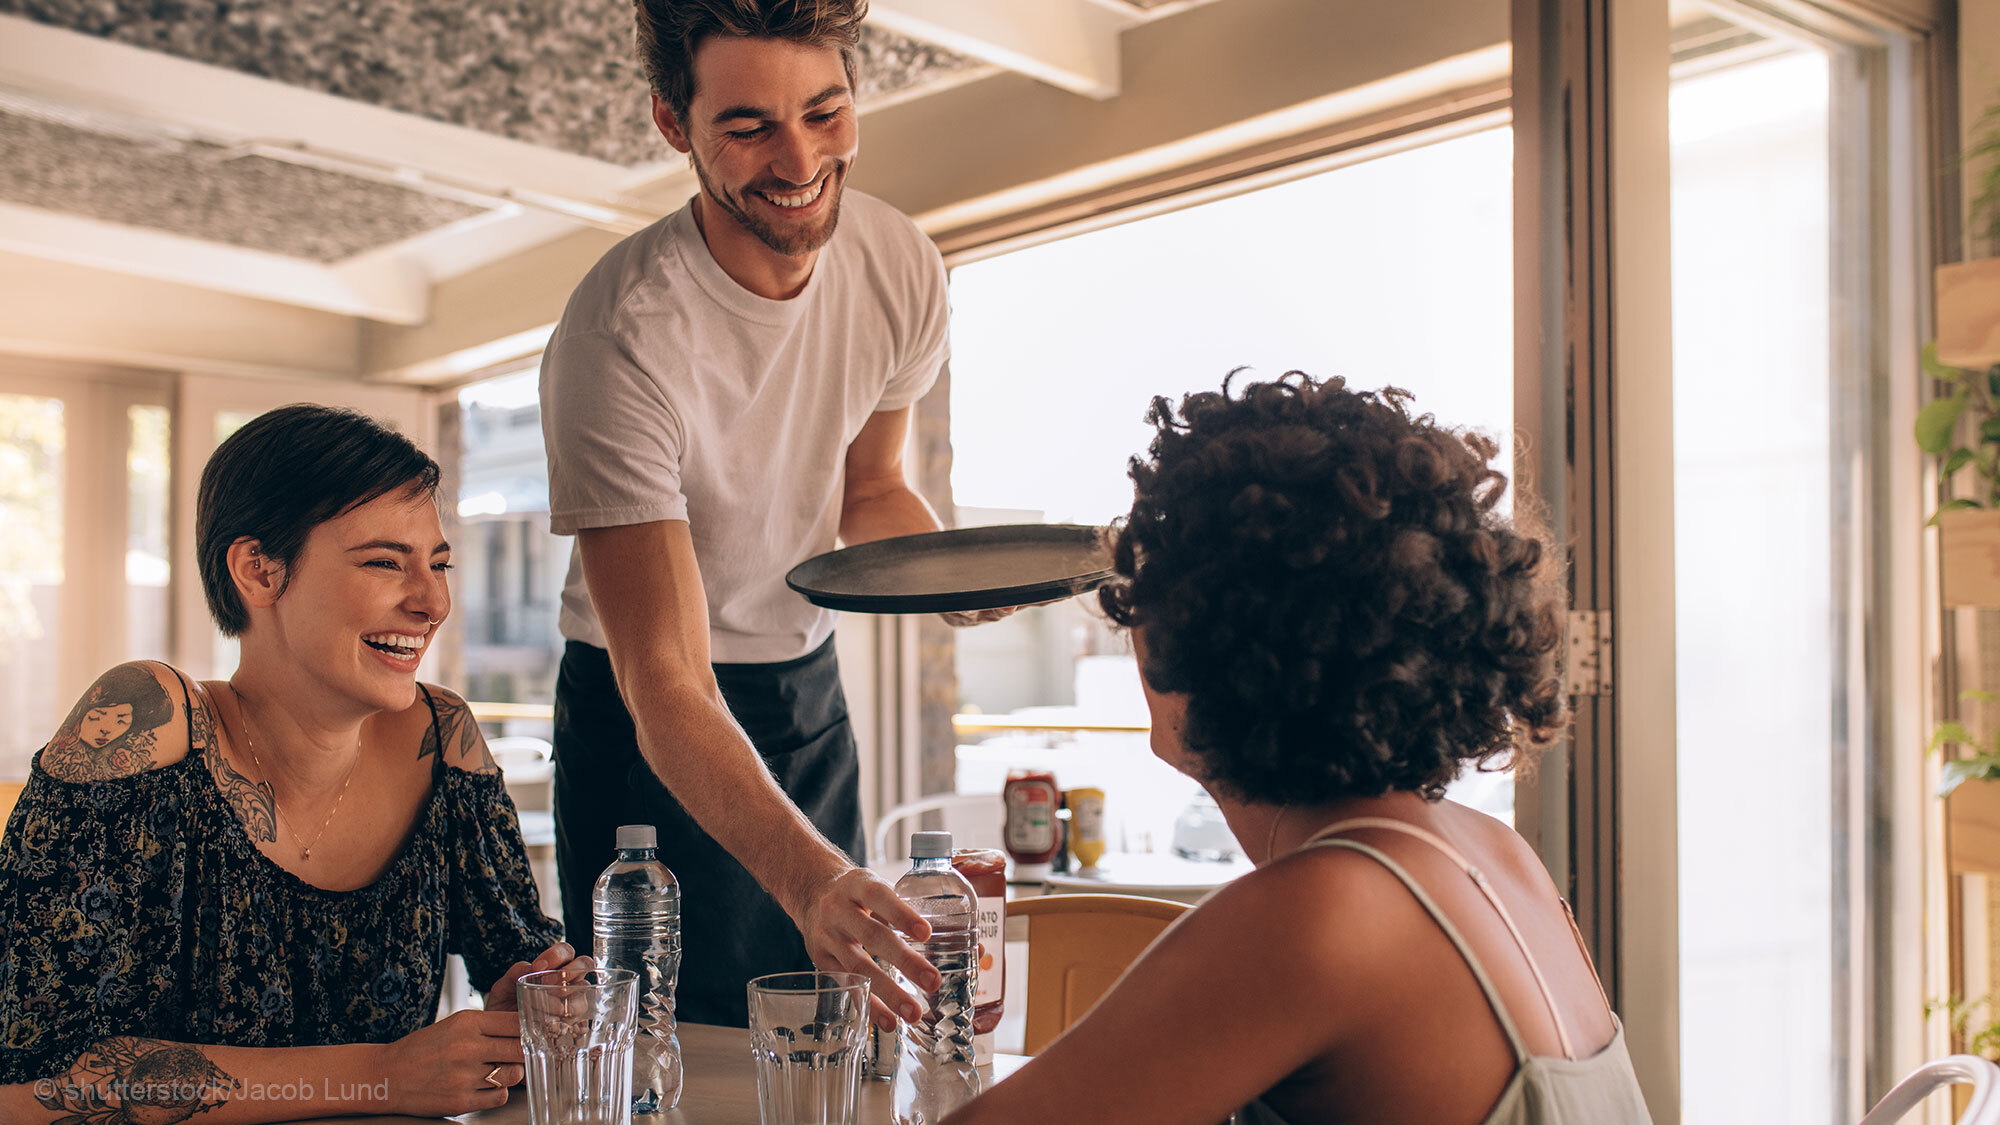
{"x": 1031, "y": 799}
{"x": 986, "y": 870}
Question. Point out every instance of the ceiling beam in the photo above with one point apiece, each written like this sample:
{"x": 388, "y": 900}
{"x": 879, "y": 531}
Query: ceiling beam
{"x": 1072, "y": 44}
{"x": 176, "y": 97}
{"x": 378, "y": 285}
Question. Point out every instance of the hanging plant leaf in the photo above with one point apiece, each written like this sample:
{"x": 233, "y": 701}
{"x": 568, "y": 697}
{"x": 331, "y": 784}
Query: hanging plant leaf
{"x": 1956, "y": 505}
{"x": 1936, "y": 368}
{"x": 1958, "y": 460}
{"x": 1977, "y": 768}
{"x": 1936, "y": 421}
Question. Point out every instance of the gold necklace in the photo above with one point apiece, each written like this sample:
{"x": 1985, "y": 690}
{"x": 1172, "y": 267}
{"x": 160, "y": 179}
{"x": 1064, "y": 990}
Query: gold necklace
{"x": 250, "y": 743}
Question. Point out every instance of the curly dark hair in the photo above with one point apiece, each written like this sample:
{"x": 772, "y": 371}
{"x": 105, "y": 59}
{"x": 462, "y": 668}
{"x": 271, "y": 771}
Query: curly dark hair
{"x": 1328, "y": 580}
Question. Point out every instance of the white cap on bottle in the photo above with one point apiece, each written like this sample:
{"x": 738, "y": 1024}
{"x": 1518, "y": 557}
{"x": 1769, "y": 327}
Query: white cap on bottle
{"x": 637, "y": 836}
{"x": 930, "y": 845}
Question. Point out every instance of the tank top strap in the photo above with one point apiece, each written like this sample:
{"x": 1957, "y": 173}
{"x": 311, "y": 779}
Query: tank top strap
{"x": 1485, "y": 888}
{"x": 188, "y": 691}
{"x": 437, "y": 732}
{"x": 1458, "y": 941}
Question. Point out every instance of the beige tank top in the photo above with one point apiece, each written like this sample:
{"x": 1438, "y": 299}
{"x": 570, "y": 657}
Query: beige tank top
{"x": 1545, "y": 1090}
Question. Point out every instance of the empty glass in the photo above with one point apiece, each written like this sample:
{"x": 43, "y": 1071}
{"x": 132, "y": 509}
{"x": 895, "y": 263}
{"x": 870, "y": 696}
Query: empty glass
{"x": 806, "y": 1034}
{"x": 576, "y": 1029}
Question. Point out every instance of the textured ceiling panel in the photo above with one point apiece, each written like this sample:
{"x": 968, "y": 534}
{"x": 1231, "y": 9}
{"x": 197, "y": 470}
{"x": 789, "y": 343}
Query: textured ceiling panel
{"x": 555, "y": 73}
{"x": 192, "y": 190}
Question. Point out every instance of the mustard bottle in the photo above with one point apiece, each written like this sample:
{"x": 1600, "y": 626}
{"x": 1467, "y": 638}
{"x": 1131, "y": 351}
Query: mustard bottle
{"x": 1086, "y": 826}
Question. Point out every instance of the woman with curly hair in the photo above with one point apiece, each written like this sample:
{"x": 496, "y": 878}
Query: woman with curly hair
{"x": 1333, "y": 619}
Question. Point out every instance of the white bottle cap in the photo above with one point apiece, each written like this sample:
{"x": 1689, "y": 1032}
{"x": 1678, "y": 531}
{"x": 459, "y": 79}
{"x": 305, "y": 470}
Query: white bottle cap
{"x": 637, "y": 836}
{"x": 930, "y": 845}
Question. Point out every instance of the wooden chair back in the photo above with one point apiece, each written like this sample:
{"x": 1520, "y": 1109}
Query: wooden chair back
{"x": 1078, "y": 947}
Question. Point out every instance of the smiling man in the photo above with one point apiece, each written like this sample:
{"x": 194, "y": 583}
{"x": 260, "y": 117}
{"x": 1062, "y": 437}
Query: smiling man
{"x": 727, "y": 395}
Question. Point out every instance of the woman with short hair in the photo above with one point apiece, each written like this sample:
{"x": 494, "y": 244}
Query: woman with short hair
{"x": 1334, "y": 617}
{"x": 235, "y": 898}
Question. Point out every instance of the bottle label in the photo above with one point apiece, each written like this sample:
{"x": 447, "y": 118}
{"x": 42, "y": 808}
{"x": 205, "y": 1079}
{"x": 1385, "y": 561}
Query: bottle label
{"x": 991, "y": 979}
{"x": 1031, "y": 819}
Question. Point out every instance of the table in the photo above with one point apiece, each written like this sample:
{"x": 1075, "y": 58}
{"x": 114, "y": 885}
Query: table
{"x": 1152, "y": 874}
{"x": 720, "y": 1087}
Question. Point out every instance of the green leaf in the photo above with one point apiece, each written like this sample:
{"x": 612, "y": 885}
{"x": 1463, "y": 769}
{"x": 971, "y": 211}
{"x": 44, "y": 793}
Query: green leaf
{"x": 1958, "y": 460}
{"x": 1978, "y": 695}
{"x": 1937, "y": 420}
{"x": 1976, "y": 768}
{"x": 1950, "y": 732}
{"x": 1955, "y": 505}
{"x": 1935, "y": 368}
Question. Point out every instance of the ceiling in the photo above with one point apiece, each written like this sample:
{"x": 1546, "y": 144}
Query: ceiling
{"x": 346, "y": 156}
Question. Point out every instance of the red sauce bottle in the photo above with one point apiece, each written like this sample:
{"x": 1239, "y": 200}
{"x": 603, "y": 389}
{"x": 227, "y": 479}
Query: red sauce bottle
{"x": 1031, "y": 799}
{"x": 986, "y": 870}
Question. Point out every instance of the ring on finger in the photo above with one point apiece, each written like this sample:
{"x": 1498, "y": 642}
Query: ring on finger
{"x": 493, "y": 1079}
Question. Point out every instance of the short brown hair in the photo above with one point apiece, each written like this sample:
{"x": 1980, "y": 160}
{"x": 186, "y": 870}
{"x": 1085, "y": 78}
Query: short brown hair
{"x": 286, "y": 472}
{"x": 670, "y": 30}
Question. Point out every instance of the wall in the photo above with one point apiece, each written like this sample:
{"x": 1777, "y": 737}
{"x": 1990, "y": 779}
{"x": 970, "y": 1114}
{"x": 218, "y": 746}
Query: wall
{"x": 74, "y": 312}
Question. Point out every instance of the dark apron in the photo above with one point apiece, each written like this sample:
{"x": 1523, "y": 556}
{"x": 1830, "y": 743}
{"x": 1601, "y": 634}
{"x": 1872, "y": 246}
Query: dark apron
{"x": 731, "y": 930}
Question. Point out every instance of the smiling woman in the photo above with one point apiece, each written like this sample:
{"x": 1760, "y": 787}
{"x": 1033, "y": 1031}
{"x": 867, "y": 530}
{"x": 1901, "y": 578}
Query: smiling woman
{"x": 187, "y": 887}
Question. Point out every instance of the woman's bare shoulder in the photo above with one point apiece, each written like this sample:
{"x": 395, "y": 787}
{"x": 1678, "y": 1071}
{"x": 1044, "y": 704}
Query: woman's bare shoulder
{"x": 132, "y": 719}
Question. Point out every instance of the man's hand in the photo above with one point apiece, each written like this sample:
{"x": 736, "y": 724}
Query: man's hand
{"x": 960, "y": 620}
{"x": 848, "y": 926}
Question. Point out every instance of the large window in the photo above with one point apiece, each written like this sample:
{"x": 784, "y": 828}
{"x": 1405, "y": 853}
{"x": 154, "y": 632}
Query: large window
{"x": 510, "y": 569}
{"x": 1391, "y": 271}
{"x": 1754, "y": 502}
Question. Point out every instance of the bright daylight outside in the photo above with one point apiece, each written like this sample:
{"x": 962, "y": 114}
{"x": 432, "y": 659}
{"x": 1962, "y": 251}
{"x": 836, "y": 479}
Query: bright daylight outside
{"x": 1390, "y": 272}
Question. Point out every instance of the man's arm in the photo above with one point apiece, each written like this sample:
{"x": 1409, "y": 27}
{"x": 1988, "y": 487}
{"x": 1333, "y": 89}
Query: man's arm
{"x": 877, "y": 501}
{"x": 647, "y": 586}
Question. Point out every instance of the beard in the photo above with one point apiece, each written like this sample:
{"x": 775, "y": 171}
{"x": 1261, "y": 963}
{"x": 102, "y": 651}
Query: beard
{"x": 791, "y": 241}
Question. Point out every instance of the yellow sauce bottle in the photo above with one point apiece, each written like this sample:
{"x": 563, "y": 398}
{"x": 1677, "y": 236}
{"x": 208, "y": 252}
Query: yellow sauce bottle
{"x": 1086, "y": 825}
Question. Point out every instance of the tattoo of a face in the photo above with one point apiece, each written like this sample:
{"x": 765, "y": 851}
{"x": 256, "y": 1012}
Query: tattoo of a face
{"x": 129, "y": 1081}
{"x": 114, "y": 728}
{"x": 464, "y": 745}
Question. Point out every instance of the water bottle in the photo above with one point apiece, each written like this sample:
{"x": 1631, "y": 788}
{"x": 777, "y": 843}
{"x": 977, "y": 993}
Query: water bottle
{"x": 635, "y": 913}
{"x": 934, "y": 1064}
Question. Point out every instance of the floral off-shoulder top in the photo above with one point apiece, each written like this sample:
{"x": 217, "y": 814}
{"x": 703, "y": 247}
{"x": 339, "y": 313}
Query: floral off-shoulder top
{"x": 138, "y": 906}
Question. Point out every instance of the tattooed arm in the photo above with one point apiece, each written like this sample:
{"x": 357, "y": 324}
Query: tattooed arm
{"x": 123, "y": 1080}
{"x": 462, "y": 743}
{"x": 133, "y": 719}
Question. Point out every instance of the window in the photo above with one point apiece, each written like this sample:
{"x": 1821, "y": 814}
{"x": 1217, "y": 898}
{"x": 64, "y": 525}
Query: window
{"x": 510, "y": 568}
{"x": 1391, "y": 271}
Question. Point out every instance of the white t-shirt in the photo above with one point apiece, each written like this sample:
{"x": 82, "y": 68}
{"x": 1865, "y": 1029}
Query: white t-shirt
{"x": 670, "y": 392}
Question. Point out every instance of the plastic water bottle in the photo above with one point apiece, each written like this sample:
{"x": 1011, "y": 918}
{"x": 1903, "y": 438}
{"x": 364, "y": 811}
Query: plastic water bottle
{"x": 635, "y": 918}
{"x": 934, "y": 1064}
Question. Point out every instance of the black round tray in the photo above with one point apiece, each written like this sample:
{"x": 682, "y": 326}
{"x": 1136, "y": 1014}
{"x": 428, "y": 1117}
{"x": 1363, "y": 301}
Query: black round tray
{"x": 957, "y": 571}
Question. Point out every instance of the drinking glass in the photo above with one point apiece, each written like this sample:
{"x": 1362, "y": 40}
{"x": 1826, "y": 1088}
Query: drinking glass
{"x": 576, "y": 1030}
{"x": 806, "y": 1034}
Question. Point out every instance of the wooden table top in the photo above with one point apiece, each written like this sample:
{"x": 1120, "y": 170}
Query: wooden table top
{"x": 720, "y": 1087}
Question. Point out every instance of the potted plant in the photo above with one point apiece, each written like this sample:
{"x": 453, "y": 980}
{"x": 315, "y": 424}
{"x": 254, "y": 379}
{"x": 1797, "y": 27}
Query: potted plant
{"x": 1968, "y": 526}
{"x": 1968, "y": 293}
{"x": 1972, "y": 812}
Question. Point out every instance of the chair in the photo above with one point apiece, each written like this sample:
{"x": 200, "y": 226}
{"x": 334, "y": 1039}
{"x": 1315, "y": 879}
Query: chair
{"x": 973, "y": 819}
{"x": 525, "y": 769}
{"x": 1078, "y": 947}
{"x": 1983, "y": 1109}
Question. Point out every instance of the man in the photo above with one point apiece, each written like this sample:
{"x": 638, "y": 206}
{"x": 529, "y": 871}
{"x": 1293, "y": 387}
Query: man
{"x": 728, "y": 390}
